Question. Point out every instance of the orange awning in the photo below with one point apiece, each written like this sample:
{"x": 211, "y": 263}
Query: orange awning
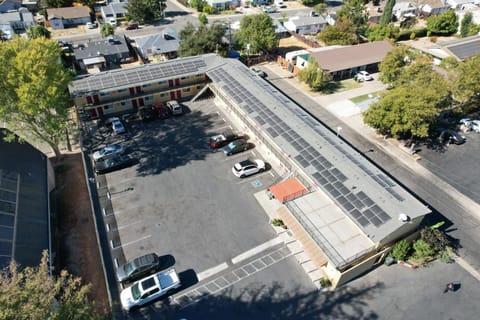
{"x": 288, "y": 190}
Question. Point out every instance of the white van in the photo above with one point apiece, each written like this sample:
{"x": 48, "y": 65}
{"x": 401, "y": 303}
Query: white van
{"x": 174, "y": 107}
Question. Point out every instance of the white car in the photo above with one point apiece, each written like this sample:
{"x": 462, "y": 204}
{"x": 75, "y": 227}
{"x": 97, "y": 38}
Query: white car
{"x": 269, "y": 10}
{"x": 108, "y": 152}
{"x": 363, "y": 76}
{"x": 91, "y": 25}
{"x": 475, "y": 126}
{"x": 248, "y": 167}
{"x": 118, "y": 127}
{"x": 112, "y": 22}
{"x": 174, "y": 107}
{"x": 149, "y": 289}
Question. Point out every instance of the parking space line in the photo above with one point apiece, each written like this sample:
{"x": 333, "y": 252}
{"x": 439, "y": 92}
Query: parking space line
{"x": 126, "y": 225}
{"x": 134, "y": 241}
{"x": 209, "y": 272}
{"x": 256, "y": 250}
{"x": 252, "y": 177}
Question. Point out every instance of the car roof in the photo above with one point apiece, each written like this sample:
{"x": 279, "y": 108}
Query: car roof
{"x": 246, "y": 162}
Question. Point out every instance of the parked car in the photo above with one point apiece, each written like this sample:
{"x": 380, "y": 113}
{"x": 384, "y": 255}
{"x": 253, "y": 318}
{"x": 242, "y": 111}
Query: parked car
{"x": 236, "y": 147}
{"x": 221, "y": 140}
{"x": 112, "y": 22}
{"x": 258, "y": 72}
{"x": 146, "y": 113}
{"x": 138, "y": 268}
{"x": 269, "y": 10}
{"x": 175, "y": 107}
{"x": 108, "y": 152}
{"x": 448, "y": 135}
{"x": 132, "y": 26}
{"x": 117, "y": 126}
{"x": 362, "y": 76}
{"x": 91, "y": 25}
{"x": 475, "y": 126}
{"x": 248, "y": 167}
{"x": 162, "y": 111}
{"x": 150, "y": 289}
{"x": 112, "y": 164}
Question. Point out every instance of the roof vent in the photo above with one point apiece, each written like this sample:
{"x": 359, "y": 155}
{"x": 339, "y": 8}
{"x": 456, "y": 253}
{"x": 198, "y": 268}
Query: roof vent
{"x": 403, "y": 217}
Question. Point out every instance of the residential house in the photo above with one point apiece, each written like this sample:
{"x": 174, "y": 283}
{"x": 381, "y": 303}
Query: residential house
{"x": 222, "y": 4}
{"x": 345, "y": 214}
{"x": 434, "y": 7}
{"x": 457, "y": 4}
{"x": 16, "y": 20}
{"x": 26, "y": 182}
{"x": 331, "y": 17}
{"x": 163, "y": 45}
{"x": 345, "y": 62}
{"x": 462, "y": 48}
{"x": 305, "y": 25}
{"x": 469, "y": 7}
{"x": 114, "y": 10}
{"x": 60, "y": 18}
{"x": 403, "y": 10}
{"x": 7, "y": 31}
{"x": 374, "y": 12}
{"x": 103, "y": 54}
{"x": 9, "y": 5}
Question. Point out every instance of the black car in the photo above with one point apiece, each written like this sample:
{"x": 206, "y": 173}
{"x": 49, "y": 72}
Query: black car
{"x": 221, "y": 140}
{"x": 448, "y": 135}
{"x": 138, "y": 268}
{"x": 112, "y": 164}
{"x": 236, "y": 147}
{"x": 146, "y": 114}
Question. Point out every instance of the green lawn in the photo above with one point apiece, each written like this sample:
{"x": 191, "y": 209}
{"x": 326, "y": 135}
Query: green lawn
{"x": 364, "y": 97}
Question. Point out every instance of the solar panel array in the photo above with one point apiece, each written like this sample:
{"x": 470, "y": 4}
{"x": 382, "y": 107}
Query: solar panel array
{"x": 8, "y": 205}
{"x": 330, "y": 178}
{"x": 134, "y": 76}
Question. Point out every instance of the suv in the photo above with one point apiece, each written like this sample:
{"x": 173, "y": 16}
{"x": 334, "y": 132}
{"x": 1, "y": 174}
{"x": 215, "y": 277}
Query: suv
{"x": 174, "y": 107}
{"x": 138, "y": 268}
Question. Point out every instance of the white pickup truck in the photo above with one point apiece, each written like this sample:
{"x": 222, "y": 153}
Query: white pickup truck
{"x": 149, "y": 289}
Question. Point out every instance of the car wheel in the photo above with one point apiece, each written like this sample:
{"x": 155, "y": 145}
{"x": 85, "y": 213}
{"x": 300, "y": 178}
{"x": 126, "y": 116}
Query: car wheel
{"x": 242, "y": 176}
{"x": 261, "y": 169}
{"x": 229, "y": 154}
{"x": 245, "y": 149}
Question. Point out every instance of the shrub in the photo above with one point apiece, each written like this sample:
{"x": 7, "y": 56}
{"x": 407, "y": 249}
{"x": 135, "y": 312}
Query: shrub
{"x": 422, "y": 250}
{"x": 400, "y": 250}
{"x": 325, "y": 282}
{"x": 436, "y": 239}
{"x": 277, "y": 222}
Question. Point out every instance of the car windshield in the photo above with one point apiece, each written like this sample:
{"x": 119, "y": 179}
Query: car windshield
{"x": 232, "y": 145}
{"x": 136, "y": 292}
{"x": 129, "y": 267}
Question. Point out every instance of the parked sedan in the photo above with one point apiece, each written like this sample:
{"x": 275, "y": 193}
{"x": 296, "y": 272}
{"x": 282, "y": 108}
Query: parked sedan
{"x": 112, "y": 164}
{"x": 108, "y": 152}
{"x": 449, "y": 135}
{"x": 138, "y": 268}
{"x": 363, "y": 76}
{"x": 118, "y": 127}
{"x": 221, "y": 140}
{"x": 259, "y": 72}
{"x": 248, "y": 167}
{"x": 236, "y": 147}
{"x": 146, "y": 114}
{"x": 162, "y": 111}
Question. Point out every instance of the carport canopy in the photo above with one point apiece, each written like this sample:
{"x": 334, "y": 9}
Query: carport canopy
{"x": 288, "y": 190}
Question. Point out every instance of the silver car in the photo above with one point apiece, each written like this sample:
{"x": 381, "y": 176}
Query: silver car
{"x": 108, "y": 152}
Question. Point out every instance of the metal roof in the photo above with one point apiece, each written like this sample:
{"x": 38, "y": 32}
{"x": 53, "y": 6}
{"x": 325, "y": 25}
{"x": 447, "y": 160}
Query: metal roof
{"x": 365, "y": 193}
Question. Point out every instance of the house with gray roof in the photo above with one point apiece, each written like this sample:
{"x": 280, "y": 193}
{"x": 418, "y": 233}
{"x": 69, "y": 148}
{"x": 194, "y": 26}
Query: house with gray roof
{"x": 348, "y": 213}
{"x": 17, "y": 20}
{"x": 306, "y": 25}
{"x": 405, "y": 9}
{"x": 26, "y": 181}
{"x": 103, "y": 54}
{"x": 462, "y": 48}
{"x": 114, "y": 10}
{"x": 9, "y": 5}
{"x": 164, "y": 45}
{"x": 60, "y": 18}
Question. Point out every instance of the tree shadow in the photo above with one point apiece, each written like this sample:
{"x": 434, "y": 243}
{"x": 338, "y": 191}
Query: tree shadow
{"x": 331, "y": 87}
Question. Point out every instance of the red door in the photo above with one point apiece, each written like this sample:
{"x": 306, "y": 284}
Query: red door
{"x": 172, "y": 95}
{"x": 138, "y": 89}
{"x": 132, "y": 91}
{"x": 177, "y": 82}
{"x": 141, "y": 102}
{"x": 179, "y": 94}
{"x": 89, "y": 99}
{"x": 170, "y": 83}
{"x": 93, "y": 113}
{"x": 134, "y": 104}
{"x": 100, "y": 111}
{"x": 96, "y": 99}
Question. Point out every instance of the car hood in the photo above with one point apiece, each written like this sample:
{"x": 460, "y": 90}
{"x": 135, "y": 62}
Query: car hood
{"x": 237, "y": 166}
{"x": 126, "y": 298}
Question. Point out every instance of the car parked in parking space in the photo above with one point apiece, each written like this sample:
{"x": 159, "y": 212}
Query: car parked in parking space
{"x": 448, "y": 135}
{"x": 258, "y": 72}
{"x": 362, "y": 76}
{"x": 248, "y": 167}
{"x": 162, "y": 111}
{"x": 236, "y": 147}
{"x": 91, "y": 25}
{"x": 117, "y": 126}
{"x": 221, "y": 140}
{"x": 175, "y": 107}
{"x": 113, "y": 164}
{"x": 138, "y": 268}
{"x": 475, "y": 126}
{"x": 132, "y": 26}
{"x": 146, "y": 113}
{"x": 269, "y": 10}
{"x": 108, "y": 152}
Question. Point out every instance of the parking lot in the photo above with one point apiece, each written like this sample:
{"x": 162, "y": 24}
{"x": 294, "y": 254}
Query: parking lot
{"x": 456, "y": 164}
{"x": 182, "y": 201}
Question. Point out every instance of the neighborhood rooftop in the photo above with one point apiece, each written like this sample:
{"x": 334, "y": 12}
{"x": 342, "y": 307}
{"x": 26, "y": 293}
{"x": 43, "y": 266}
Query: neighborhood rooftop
{"x": 68, "y": 12}
{"x": 463, "y": 48}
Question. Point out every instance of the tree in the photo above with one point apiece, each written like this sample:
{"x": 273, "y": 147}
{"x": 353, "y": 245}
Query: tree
{"x": 355, "y": 12}
{"x": 209, "y": 9}
{"x": 34, "y": 89}
{"x": 313, "y": 75}
{"x": 387, "y": 14}
{"x": 393, "y": 63}
{"x": 202, "y": 40}
{"x": 145, "y": 11}
{"x": 106, "y": 30}
{"x": 400, "y": 250}
{"x": 382, "y": 31}
{"x": 320, "y": 8}
{"x": 202, "y": 18}
{"x": 466, "y": 24}
{"x": 342, "y": 33}
{"x": 37, "y": 31}
{"x": 59, "y": 3}
{"x": 443, "y": 24}
{"x": 258, "y": 32}
{"x": 466, "y": 84}
{"x": 197, "y": 4}
{"x": 32, "y": 293}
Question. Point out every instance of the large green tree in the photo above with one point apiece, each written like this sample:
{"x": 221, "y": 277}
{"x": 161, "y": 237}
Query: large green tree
{"x": 342, "y": 33}
{"x": 197, "y": 4}
{"x": 466, "y": 25}
{"x": 107, "y": 30}
{"x": 258, "y": 32}
{"x": 145, "y": 11}
{"x": 205, "y": 39}
{"x": 387, "y": 14}
{"x": 443, "y": 24}
{"x": 355, "y": 12}
{"x": 32, "y": 293}
{"x": 313, "y": 75}
{"x": 466, "y": 86}
{"x": 34, "y": 86}
{"x": 37, "y": 31}
{"x": 392, "y": 65}
{"x": 383, "y": 31}
{"x": 59, "y": 3}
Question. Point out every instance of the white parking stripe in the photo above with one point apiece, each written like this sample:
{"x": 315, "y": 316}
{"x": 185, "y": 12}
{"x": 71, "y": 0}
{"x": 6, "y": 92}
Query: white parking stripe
{"x": 256, "y": 250}
{"x": 134, "y": 241}
{"x": 210, "y": 272}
